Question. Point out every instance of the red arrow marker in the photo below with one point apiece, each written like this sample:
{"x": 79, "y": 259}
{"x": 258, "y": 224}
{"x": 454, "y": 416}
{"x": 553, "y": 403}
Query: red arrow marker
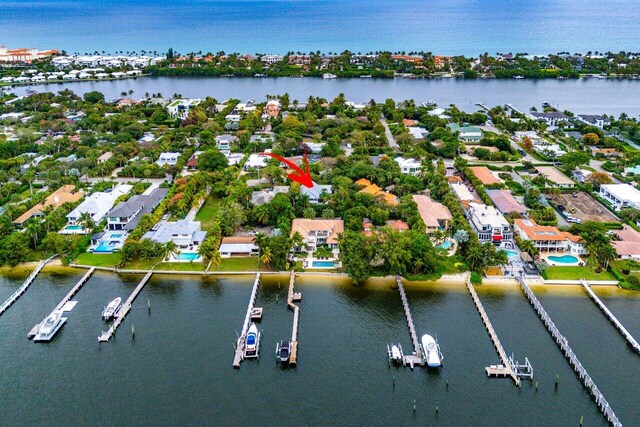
{"x": 303, "y": 178}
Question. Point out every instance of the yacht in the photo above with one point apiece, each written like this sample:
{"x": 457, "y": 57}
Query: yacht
{"x": 259, "y": 75}
{"x": 252, "y": 343}
{"x": 431, "y": 350}
{"x": 329, "y": 76}
{"x": 366, "y": 76}
{"x": 283, "y": 351}
{"x": 110, "y": 310}
{"x": 50, "y": 326}
{"x": 519, "y": 77}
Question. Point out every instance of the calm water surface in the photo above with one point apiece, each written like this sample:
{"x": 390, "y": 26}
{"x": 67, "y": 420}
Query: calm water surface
{"x": 580, "y": 96}
{"x": 178, "y": 368}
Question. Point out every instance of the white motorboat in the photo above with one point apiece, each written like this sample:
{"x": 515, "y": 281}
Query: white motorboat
{"x": 329, "y": 76}
{"x": 252, "y": 342}
{"x": 395, "y": 353}
{"x": 366, "y": 76}
{"x": 50, "y": 326}
{"x": 431, "y": 350}
{"x": 283, "y": 351}
{"x": 111, "y": 309}
{"x": 519, "y": 77}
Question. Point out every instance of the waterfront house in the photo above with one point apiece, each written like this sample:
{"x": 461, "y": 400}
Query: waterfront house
{"x": 548, "y": 239}
{"x": 594, "y": 120}
{"x": 620, "y": 196}
{"x": 435, "y": 216}
{"x": 488, "y": 223}
{"x": 169, "y": 159}
{"x": 271, "y": 59}
{"x": 627, "y": 243}
{"x": 186, "y": 235}
{"x": 317, "y": 232}
{"x": 551, "y": 118}
{"x": 64, "y": 194}
{"x": 126, "y": 215}
{"x": 97, "y": 205}
{"x": 555, "y": 177}
{"x": 466, "y": 133}
{"x": 316, "y": 192}
{"x": 505, "y": 202}
{"x": 241, "y": 246}
{"x": 484, "y": 175}
{"x": 408, "y": 166}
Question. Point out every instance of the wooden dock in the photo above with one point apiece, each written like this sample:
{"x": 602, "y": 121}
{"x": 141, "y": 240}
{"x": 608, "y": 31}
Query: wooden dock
{"x": 416, "y": 358}
{"x": 618, "y": 325}
{"x": 292, "y": 297}
{"x": 23, "y": 288}
{"x": 562, "y": 342}
{"x": 239, "y": 351}
{"x": 65, "y": 300}
{"x": 124, "y": 310}
{"x": 506, "y": 369}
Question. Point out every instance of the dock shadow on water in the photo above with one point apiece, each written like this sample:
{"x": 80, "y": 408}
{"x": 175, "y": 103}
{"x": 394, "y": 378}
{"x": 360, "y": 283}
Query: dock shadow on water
{"x": 178, "y": 368}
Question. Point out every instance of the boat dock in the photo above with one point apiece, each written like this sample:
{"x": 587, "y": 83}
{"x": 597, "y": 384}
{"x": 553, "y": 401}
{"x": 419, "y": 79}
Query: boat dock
{"x": 619, "y": 326}
{"x": 508, "y": 367}
{"x": 66, "y": 299}
{"x": 23, "y": 288}
{"x": 292, "y": 298}
{"x": 239, "y": 351}
{"x": 562, "y": 342}
{"x": 416, "y": 358}
{"x": 124, "y": 310}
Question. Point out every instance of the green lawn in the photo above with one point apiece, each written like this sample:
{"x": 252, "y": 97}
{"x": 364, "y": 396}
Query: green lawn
{"x": 181, "y": 266}
{"x": 208, "y": 211}
{"x": 575, "y": 273}
{"x": 98, "y": 260}
{"x": 238, "y": 264}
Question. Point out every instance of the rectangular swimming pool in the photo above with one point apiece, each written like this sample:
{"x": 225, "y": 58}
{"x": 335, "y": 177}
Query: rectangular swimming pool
{"x": 187, "y": 256}
{"x": 322, "y": 264}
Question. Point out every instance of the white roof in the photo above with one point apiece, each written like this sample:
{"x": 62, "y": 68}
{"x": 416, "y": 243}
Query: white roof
{"x": 462, "y": 191}
{"x": 237, "y": 248}
{"x": 484, "y": 214}
{"x": 624, "y": 192}
{"x": 99, "y": 203}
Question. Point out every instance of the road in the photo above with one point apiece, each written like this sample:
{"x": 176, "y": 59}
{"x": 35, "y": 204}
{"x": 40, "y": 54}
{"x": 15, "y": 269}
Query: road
{"x": 388, "y": 134}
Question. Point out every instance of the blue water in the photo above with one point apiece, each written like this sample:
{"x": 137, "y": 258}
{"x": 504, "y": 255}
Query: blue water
{"x": 510, "y": 253}
{"x": 323, "y": 264}
{"x": 190, "y": 256}
{"x": 564, "y": 259}
{"x": 446, "y": 26}
{"x": 104, "y": 247}
{"x": 73, "y": 227}
{"x": 116, "y": 236}
{"x": 446, "y": 244}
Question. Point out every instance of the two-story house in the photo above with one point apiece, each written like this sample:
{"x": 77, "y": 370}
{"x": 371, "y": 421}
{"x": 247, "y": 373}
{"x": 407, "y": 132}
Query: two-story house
{"x": 316, "y": 232}
{"x": 489, "y": 223}
{"x": 126, "y": 215}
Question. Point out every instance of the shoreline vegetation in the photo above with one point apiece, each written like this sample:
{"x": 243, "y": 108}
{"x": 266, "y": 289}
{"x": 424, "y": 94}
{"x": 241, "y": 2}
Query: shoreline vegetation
{"x": 379, "y": 64}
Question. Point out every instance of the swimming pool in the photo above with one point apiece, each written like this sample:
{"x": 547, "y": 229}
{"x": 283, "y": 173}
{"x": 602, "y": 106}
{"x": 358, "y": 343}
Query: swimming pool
{"x": 322, "y": 264}
{"x": 446, "y": 244}
{"x": 74, "y": 227}
{"x": 116, "y": 236}
{"x": 564, "y": 259}
{"x": 105, "y": 247}
{"x": 187, "y": 256}
{"x": 510, "y": 253}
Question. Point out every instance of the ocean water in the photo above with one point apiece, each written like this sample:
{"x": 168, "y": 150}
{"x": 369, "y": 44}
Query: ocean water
{"x": 277, "y": 26}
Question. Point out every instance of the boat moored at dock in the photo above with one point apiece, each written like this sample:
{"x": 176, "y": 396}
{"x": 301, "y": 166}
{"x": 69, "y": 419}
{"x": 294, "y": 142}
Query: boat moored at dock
{"x": 283, "y": 351}
{"x": 50, "y": 326}
{"x": 431, "y": 351}
{"x": 252, "y": 343}
{"x": 395, "y": 354}
{"x": 111, "y": 309}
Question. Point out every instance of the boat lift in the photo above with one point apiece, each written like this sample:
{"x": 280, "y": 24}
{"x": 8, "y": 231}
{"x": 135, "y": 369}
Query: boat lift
{"x": 395, "y": 354}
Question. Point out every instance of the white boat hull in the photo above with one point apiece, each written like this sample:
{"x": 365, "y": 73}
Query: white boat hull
{"x": 431, "y": 351}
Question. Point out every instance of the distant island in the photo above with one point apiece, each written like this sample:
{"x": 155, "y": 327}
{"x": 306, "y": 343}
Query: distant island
{"x": 33, "y": 66}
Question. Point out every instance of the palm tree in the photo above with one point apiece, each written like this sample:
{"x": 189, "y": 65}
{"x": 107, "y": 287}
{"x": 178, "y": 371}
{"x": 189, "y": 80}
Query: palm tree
{"x": 168, "y": 248}
{"x": 529, "y": 247}
{"x": 32, "y": 232}
{"x": 86, "y": 221}
{"x": 266, "y": 256}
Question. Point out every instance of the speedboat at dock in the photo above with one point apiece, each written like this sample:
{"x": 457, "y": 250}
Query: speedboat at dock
{"x": 252, "y": 342}
{"x": 111, "y": 309}
{"x": 283, "y": 351}
{"x": 431, "y": 351}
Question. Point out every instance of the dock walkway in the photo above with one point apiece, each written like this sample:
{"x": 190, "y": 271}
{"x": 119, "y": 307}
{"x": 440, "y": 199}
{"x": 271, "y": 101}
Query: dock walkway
{"x": 416, "y": 358}
{"x": 507, "y": 368}
{"x": 239, "y": 352}
{"x": 23, "y": 288}
{"x": 562, "y": 342}
{"x": 619, "y": 326}
{"x": 124, "y": 310}
{"x": 293, "y": 296}
{"x": 76, "y": 288}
